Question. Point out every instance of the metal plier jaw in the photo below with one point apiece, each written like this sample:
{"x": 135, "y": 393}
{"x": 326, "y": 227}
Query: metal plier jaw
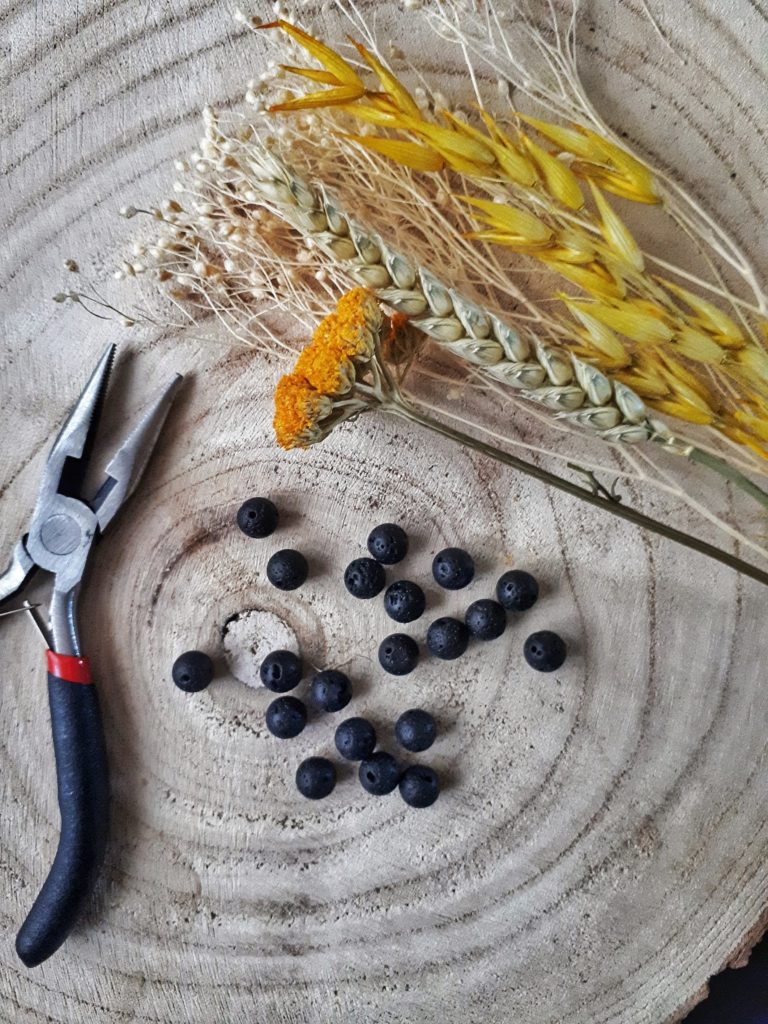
{"x": 63, "y": 530}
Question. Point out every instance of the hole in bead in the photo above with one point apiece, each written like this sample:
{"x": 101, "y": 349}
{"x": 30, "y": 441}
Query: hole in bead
{"x": 370, "y": 776}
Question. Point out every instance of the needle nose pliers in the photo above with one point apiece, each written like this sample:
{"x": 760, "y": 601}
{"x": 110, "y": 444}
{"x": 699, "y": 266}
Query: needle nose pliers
{"x": 60, "y": 538}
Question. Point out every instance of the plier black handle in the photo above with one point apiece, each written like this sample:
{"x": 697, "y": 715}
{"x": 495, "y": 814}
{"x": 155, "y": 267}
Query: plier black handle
{"x": 61, "y": 535}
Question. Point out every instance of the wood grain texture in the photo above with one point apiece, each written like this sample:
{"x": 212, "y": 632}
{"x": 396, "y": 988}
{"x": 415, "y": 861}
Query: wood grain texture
{"x": 601, "y": 848}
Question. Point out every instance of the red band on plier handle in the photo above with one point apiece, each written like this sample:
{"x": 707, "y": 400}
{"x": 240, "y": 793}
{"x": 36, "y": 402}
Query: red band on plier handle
{"x": 69, "y": 668}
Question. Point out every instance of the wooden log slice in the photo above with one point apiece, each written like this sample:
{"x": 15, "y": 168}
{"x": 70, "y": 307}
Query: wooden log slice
{"x": 600, "y": 847}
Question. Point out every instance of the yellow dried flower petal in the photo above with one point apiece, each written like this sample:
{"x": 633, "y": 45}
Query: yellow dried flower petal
{"x": 614, "y": 182}
{"x": 330, "y": 60}
{"x": 625, "y": 318}
{"x": 567, "y": 139}
{"x": 646, "y": 386}
{"x": 708, "y": 314}
{"x": 616, "y": 233}
{"x": 573, "y": 246}
{"x": 341, "y": 339}
{"x": 755, "y": 362}
{"x": 509, "y": 219}
{"x": 407, "y": 154}
{"x": 314, "y": 100}
{"x": 559, "y": 179}
{"x": 370, "y": 114}
{"x": 313, "y": 74}
{"x": 601, "y": 337}
{"x": 513, "y": 164}
{"x": 359, "y": 320}
{"x": 327, "y": 371}
{"x": 698, "y": 346}
{"x": 593, "y": 278}
{"x": 510, "y": 241}
{"x": 449, "y": 141}
{"x": 400, "y": 95}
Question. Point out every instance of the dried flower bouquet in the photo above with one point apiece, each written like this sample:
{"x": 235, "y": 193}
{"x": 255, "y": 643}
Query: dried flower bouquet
{"x": 443, "y": 214}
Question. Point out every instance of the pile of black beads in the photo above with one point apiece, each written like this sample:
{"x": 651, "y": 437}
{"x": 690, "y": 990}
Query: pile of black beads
{"x": 447, "y": 637}
{"x": 330, "y": 690}
{"x": 379, "y": 771}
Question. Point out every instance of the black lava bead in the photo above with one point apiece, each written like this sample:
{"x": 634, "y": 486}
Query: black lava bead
{"x": 364, "y": 577}
{"x": 331, "y": 690}
{"x": 287, "y": 569}
{"x": 257, "y": 517}
{"x": 379, "y": 773}
{"x": 485, "y": 619}
{"x": 517, "y": 591}
{"x": 286, "y": 717}
{"x": 447, "y": 638}
{"x": 192, "y": 671}
{"x": 355, "y": 739}
{"x": 315, "y": 777}
{"x": 388, "y": 543}
{"x": 419, "y": 786}
{"x": 404, "y": 601}
{"x": 453, "y": 568}
{"x": 398, "y": 654}
{"x": 415, "y": 730}
{"x": 281, "y": 671}
{"x": 545, "y": 651}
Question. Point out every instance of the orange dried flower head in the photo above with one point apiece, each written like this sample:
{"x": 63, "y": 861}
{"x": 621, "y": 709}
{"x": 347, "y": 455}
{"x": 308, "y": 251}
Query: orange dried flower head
{"x": 299, "y": 408}
{"x": 344, "y": 337}
{"x": 325, "y": 370}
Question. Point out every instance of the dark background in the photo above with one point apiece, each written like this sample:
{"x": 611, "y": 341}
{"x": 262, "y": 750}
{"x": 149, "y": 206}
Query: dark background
{"x": 737, "y": 996}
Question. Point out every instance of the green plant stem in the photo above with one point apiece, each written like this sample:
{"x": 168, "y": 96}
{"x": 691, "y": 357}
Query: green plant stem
{"x": 730, "y": 473}
{"x": 405, "y": 410}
